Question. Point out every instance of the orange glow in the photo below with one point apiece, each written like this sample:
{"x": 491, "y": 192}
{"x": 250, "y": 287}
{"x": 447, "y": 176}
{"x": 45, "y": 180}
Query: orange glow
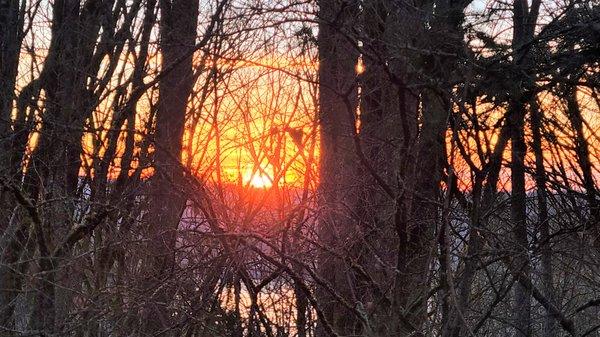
{"x": 258, "y": 177}
{"x": 360, "y": 66}
{"x": 261, "y": 129}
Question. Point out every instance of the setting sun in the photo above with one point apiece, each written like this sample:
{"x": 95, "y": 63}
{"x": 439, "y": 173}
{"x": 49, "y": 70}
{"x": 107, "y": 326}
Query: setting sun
{"x": 258, "y": 177}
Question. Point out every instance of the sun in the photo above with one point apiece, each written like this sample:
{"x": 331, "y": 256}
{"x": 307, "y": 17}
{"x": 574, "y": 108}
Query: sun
{"x": 258, "y": 178}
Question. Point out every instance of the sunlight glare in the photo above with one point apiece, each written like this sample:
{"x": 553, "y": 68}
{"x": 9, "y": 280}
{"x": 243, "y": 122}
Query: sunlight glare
{"x": 258, "y": 178}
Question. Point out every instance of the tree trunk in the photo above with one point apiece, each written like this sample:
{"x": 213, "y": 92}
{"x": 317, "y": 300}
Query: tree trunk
{"x": 582, "y": 153}
{"x": 524, "y": 20}
{"x": 11, "y": 31}
{"x": 549, "y": 329}
{"x": 53, "y": 170}
{"x": 337, "y": 102}
{"x": 178, "y": 37}
{"x": 518, "y": 205}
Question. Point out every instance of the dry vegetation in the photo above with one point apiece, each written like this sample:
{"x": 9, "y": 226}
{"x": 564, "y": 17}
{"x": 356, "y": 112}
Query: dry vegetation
{"x": 285, "y": 168}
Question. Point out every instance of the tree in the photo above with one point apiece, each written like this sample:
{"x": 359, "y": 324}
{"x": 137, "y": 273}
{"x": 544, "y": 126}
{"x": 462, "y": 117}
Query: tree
{"x": 178, "y": 26}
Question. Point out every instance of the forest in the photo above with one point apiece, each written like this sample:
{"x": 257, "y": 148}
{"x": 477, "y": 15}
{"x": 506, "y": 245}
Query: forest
{"x": 300, "y": 168}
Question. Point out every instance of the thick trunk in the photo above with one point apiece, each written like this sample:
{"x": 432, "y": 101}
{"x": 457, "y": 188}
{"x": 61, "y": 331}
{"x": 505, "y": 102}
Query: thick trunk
{"x": 524, "y": 20}
{"x": 178, "y": 37}
{"x": 522, "y": 296}
{"x": 337, "y": 102}
{"x": 11, "y": 233}
{"x": 424, "y": 174}
{"x": 388, "y": 114}
{"x": 11, "y": 31}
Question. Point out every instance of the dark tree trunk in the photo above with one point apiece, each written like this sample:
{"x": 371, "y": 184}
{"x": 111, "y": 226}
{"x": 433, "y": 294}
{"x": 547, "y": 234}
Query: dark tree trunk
{"x": 550, "y": 327}
{"x": 582, "y": 153}
{"x": 522, "y": 295}
{"x": 11, "y": 31}
{"x": 53, "y": 170}
{"x": 178, "y": 38}
{"x": 524, "y": 20}
{"x": 337, "y": 102}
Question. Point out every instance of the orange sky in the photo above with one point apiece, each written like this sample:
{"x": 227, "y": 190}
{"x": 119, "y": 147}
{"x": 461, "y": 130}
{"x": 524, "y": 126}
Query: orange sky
{"x": 259, "y": 127}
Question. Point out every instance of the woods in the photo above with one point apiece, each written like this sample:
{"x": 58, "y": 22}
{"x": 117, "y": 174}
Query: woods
{"x": 299, "y": 168}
